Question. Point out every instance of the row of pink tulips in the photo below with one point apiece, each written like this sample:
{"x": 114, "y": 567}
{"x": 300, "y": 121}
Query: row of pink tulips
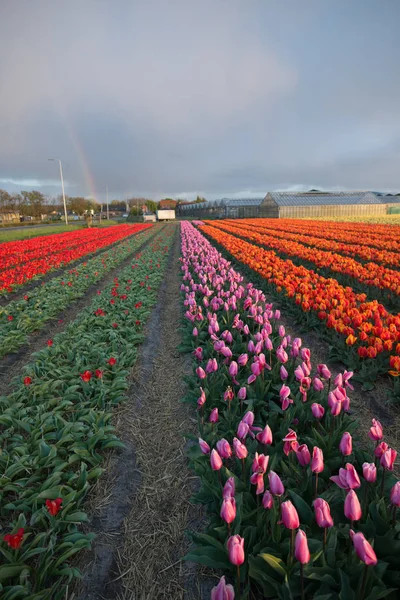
{"x": 266, "y": 414}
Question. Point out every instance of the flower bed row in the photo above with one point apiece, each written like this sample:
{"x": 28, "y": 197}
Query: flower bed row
{"x": 297, "y": 507}
{"x": 56, "y": 424}
{"x": 19, "y": 318}
{"x": 383, "y": 281}
{"x": 366, "y": 337}
{"x": 297, "y": 231}
{"x": 24, "y": 260}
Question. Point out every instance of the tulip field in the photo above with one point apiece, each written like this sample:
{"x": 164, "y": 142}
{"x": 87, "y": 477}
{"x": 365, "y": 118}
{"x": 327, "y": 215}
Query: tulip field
{"x": 298, "y": 500}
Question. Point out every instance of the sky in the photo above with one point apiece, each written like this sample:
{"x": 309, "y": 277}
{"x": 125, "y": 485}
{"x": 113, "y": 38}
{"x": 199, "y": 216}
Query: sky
{"x": 219, "y": 98}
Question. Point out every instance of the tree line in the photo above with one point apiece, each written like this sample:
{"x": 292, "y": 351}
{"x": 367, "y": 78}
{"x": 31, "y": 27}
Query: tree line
{"x": 35, "y": 204}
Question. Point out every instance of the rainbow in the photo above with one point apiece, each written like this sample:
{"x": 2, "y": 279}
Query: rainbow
{"x": 83, "y": 161}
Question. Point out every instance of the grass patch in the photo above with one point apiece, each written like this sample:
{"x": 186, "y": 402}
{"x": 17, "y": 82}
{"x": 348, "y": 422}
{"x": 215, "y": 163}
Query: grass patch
{"x": 32, "y": 231}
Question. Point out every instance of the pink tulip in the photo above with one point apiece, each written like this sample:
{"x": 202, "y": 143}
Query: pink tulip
{"x": 223, "y": 591}
{"x": 260, "y": 463}
{"x": 242, "y": 393}
{"x": 258, "y": 480}
{"x": 239, "y": 449}
{"x": 324, "y": 372}
{"x": 275, "y": 484}
{"x": 290, "y": 518}
{"x": 303, "y": 455}
{"x": 198, "y": 353}
{"x": 317, "y": 463}
{"x": 229, "y": 488}
{"x": 224, "y": 449}
{"x": 395, "y": 494}
{"x": 283, "y": 373}
{"x": 236, "y": 550}
{"x": 281, "y": 355}
{"x": 380, "y": 449}
{"x": 265, "y": 436}
{"x": 376, "y": 431}
{"x": 281, "y": 331}
{"x": 388, "y": 459}
{"x": 201, "y": 400}
{"x": 214, "y": 416}
{"x": 204, "y": 447}
{"x": 268, "y": 500}
{"x": 347, "y": 479}
{"x": 200, "y": 373}
{"x": 301, "y": 550}
{"x": 228, "y": 394}
{"x": 291, "y": 442}
{"x": 215, "y": 460}
{"x": 317, "y": 410}
{"x": 248, "y": 418}
{"x": 352, "y": 506}
{"x": 228, "y": 510}
{"x": 284, "y": 394}
{"x": 233, "y": 369}
{"x": 323, "y": 515}
{"x": 225, "y": 351}
{"x": 317, "y": 384}
{"x": 346, "y": 444}
{"x": 242, "y": 360}
{"x": 369, "y": 472}
{"x": 242, "y": 430}
{"x": 363, "y": 548}
{"x": 195, "y": 332}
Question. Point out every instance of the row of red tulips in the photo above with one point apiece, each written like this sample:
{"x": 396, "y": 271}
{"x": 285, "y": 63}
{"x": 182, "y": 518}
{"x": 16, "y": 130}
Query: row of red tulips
{"x": 298, "y": 508}
{"x": 54, "y": 251}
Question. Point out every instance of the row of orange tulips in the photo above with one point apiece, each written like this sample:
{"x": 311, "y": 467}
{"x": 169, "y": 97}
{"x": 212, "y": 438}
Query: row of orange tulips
{"x": 306, "y": 236}
{"x": 367, "y": 330}
{"x": 370, "y": 274}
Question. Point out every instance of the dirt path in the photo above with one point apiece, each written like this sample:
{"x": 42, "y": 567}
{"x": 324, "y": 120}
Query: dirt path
{"x": 141, "y": 508}
{"x": 11, "y": 364}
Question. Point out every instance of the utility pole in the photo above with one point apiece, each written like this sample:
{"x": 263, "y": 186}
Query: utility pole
{"x": 108, "y": 213}
{"x": 62, "y": 187}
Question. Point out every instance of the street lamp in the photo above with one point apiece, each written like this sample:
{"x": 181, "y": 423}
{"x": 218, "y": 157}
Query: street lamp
{"x": 62, "y": 186}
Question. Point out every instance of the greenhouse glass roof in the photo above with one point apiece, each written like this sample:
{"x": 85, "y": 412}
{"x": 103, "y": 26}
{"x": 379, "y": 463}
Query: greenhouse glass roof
{"x": 321, "y": 198}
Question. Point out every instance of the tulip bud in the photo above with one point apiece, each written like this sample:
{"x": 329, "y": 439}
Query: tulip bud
{"x": 236, "y": 550}
{"x": 388, "y": 458}
{"x": 380, "y": 449}
{"x": 322, "y": 513}
{"x": 352, "y": 506}
{"x": 214, "y": 416}
{"x": 275, "y": 484}
{"x": 290, "y": 518}
{"x": 346, "y": 444}
{"x": 317, "y": 463}
{"x": 229, "y": 488}
{"x": 317, "y": 384}
{"x": 204, "y": 447}
{"x": 224, "y": 449}
{"x": 200, "y": 373}
{"x": 215, "y": 460}
{"x": 283, "y": 373}
{"x": 323, "y": 372}
{"x": 233, "y": 369}
{"x": 395, "y": 494}
{"x": 265, "y": 436}
{"x": 242, "y": 393}
{"x": 369, "y": 472}
{"x": 363, "y": 548}
{"x": 303, "y": 455}
{"x": 268, "y": 500}
{"x": 228, "y": 510}
{"x": 301, "y": 550}
{"x": 242, "y": 360}
{"x": 376, "y": 431}
{"x": 223, "y": 591}
{"x": 317, "y": 410}
{"x": 248, "y": 418}
{"x": 239, "y": 449}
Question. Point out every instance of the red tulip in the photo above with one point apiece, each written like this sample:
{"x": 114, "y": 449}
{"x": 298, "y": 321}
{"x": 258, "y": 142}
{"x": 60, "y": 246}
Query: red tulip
{"x": 395, "y": 494}
{"x": 352, "y": 506}
{"x": 322, "y": 513}
{"x": 388, "y": 458}
{"x": 222, "y": 591}
{"x": 15, "y": 540}
{"x": 376, "y": 431}
{"x": 49, "y": 342}
{"x": 215, "y": 460}
{"x": 369, "y": 472}
{"x": 27, "y": 381}
{"x": 53, "y": 506}
{"x": 290, "y": 518}
{"x": 317, "y": 463}
{"x": 112, "y": 361}
{"x": 236, "y": 550}
{"x": 228, "y": 510}
{"x": 301, "y": 550}
{"x": 99, "y": 373}
{"x": 275, "y": 484}
{"x": 363, "y": 548}
{"x": 303, "y": 455}
{"x": 86, "y": 376}
{"x": 346, "y": 444}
